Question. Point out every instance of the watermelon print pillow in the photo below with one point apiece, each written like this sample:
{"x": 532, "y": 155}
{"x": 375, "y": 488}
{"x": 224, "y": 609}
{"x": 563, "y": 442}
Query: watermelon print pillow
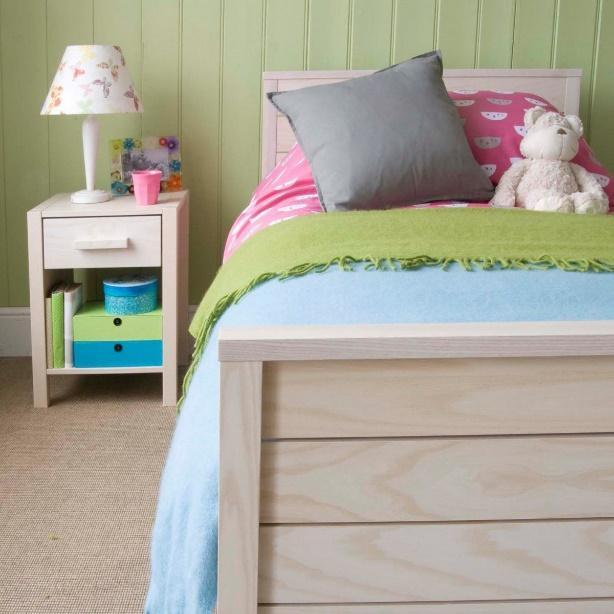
{"x": 494, "y": 125}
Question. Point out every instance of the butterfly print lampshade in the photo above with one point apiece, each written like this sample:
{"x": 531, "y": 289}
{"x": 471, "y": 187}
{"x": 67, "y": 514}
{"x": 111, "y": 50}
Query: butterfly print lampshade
{"x": 91, "y": 80}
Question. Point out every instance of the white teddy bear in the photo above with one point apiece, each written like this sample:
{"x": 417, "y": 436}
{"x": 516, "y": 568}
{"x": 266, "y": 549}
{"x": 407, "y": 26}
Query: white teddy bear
{"x": 545, "y": 180}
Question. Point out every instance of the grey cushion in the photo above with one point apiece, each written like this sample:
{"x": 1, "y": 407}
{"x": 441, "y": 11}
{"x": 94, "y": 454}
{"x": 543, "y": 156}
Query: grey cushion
{"x": 388, "y": 139}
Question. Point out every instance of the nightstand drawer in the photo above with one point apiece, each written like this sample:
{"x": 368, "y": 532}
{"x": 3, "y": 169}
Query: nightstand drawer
{"x": 100, "y": 242}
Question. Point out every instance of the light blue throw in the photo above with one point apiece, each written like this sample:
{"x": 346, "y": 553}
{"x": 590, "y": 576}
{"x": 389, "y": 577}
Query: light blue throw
{"x": 184, "y": 544}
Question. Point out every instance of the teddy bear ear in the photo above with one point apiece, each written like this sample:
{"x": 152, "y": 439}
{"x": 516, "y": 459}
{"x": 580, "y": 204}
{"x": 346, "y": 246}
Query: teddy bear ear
{"x": 576, "y": 124}
{"x": 532, "y": 115}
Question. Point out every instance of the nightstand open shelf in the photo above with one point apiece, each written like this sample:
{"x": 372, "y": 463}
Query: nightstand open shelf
{"x": 119, "y": 234}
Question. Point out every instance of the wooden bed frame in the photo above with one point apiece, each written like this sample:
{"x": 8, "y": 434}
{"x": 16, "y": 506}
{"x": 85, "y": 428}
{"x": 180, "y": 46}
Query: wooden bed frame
{"x": 429, "y": 468}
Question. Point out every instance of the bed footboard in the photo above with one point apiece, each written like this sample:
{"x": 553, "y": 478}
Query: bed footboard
{"x": 420, "y": 468}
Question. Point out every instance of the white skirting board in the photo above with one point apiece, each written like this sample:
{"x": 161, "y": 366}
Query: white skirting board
{"x": 15, "y": 330}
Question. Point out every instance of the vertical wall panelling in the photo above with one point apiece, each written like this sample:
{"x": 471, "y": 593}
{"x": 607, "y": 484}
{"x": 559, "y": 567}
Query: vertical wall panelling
{"x": 285, "y": 34}
{"x": 533, "y": 33}
{"x": 26, "y": 165}
{"x": 160, "y": 73}
{"x": 413, "y": 28}
{"x": 4, "y": 282}
{"x": 602, "y": 110}
{"x": 198, "y": 67}
{"x": 327, "y": 40}
{"x": 496, "y": 33}
{"x": 457, "y": 31}
{"x": 124, "y": 31}
{"x": 68, "y": 23}
{"x": 241, "y": 97}
{"x": 576, "y": 21}
{"x": 200, "y": 133}
{"x": 371, "y": 34}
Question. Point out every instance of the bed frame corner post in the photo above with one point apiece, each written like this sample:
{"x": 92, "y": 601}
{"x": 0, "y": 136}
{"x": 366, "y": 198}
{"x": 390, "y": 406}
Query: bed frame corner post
{"x": 239, "y": 506}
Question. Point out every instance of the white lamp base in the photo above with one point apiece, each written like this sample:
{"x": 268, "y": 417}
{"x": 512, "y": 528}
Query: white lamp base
{"x": 89, "y": 197}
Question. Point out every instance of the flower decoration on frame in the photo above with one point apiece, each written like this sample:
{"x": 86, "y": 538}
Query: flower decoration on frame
{"x": 149, "y": 153}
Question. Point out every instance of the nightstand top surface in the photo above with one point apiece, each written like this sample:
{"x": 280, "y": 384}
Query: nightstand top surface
{"x": 60, "y": 206}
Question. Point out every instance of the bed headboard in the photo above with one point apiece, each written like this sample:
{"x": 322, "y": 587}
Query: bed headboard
{"x": 561, "y": 86}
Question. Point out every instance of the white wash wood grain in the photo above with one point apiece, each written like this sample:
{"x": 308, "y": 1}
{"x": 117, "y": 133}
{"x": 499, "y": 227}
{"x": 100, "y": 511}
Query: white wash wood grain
{"x": 436, "y": 562}
{"x": 575, "y": 606}
{"x": 437, "y": 479}
{"x": 390, "y": 398}
{"x": 240, "y": 403}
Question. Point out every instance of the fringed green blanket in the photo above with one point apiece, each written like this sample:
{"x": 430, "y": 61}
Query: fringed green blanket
{"x": 403, "y": 239}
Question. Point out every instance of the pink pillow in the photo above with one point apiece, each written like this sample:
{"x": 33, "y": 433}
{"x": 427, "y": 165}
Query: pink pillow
{"x": 494, "y": 126}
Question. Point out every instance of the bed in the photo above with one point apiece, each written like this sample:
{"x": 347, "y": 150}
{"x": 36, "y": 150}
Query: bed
{"x": 437, "y": 460}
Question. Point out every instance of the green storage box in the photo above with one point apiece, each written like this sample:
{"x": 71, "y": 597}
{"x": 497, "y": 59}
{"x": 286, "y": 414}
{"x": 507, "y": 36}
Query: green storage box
{"x": 93, "y": 323}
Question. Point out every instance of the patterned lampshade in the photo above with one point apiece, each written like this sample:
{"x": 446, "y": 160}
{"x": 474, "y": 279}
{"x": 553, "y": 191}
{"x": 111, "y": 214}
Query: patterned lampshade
{"x": 92, "y": 79}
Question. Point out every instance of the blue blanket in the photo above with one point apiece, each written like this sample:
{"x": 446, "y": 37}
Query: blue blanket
{"x": 184, "y": 545}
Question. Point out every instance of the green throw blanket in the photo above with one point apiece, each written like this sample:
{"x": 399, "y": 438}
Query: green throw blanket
{"x": 404, "y": 239}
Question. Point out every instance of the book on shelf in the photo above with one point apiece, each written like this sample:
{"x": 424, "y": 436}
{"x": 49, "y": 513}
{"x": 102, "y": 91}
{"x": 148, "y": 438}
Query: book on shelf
{"x": 73, "y": 299}
{"x": 63, "y": 302}
{"x": 48, "y": 335}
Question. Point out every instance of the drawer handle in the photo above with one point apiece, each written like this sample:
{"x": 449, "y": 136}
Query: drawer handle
{"x": 117, "y": 321}
{"x": 121, "y": 243}
{"x": 118, "y": 347}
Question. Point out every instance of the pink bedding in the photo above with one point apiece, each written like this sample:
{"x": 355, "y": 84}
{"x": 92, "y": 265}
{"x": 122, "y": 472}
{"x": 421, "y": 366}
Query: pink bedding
{"x": 493, "y": 123}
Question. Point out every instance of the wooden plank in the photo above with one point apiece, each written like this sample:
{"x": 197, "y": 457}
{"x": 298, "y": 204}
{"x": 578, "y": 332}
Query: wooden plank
{"x": 160, "y": 80}
{"x": 496, "y": 33}
{"x": 576, "y": 22}
{"x": 386, "y": 341}
{"x": 23, "y": 58}
{"x": 456, "y": 32}
{"x": 437, "y": 479}
{"x": 68, "y": 23}
{"x": 124, "y": 31}
{"x": 602, "y": 106}
{"x": 240, "y": 405}
{"x": 533, "y": 33}
{"x": 573, "y": 606}
{"x": 200, "y": 147}
{"x": 414, "y": 28}
{"x": 327, "y": 40}
{"x": 284, "y": 47}
{"x": 418, "y": 398}
{"x": 436, "y": 562}
{"x": 241, "y": 99}
{"x": 371, "y": 33}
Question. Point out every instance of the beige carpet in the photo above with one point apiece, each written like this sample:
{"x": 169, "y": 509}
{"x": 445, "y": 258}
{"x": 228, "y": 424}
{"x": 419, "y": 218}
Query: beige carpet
{"x": 78, "y": 487}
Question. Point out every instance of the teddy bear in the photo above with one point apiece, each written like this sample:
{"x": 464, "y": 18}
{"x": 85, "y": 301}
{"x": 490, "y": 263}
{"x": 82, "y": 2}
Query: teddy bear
{"x": 546, "y": 180}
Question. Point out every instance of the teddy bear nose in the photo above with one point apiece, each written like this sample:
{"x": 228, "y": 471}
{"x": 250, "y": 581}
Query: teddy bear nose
{"x": 561, "y": 131}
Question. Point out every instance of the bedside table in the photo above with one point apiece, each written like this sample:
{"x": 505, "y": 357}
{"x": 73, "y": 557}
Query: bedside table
{"x": 119, "y": 233}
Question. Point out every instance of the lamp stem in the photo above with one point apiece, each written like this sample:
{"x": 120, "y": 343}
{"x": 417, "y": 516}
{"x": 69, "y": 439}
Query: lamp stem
{"x": 91, "y": 133}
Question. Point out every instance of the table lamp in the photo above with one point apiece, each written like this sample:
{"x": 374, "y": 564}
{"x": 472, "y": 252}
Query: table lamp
{"x": 91, "y": 80}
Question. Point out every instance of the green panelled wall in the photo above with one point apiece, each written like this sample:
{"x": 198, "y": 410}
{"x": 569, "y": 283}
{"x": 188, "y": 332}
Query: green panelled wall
{"x": 198, "y": 66}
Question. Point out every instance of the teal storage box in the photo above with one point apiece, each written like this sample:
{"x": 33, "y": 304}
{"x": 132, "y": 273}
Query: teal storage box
{"x": 96, "y": 354}
{"x": 93, "y": 323}
{"x": 130, "y": 294}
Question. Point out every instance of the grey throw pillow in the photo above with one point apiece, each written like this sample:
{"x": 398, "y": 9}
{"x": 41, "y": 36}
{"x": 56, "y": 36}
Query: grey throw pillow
{"x": 388, "y": 139}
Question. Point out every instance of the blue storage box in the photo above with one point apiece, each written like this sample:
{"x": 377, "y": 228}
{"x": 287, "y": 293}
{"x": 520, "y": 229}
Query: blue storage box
{"x": 92, "y": 354}
{"x": 130, "y": 294}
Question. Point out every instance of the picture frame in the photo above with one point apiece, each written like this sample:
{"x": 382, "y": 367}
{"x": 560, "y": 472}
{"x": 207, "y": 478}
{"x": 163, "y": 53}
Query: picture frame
{"x": 147, "y": 153}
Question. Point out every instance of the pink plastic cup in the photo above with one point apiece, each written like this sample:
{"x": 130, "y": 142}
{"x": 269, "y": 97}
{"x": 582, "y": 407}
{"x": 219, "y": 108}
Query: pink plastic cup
{"x": 146, "y": 186}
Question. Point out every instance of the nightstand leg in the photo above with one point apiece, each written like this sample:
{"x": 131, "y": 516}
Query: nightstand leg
{"x": 170, "y": 231}
{"x": 37, "y": 309}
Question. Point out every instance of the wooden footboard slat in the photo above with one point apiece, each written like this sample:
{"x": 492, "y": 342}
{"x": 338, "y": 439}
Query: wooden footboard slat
{"x": 438, "y": 397}
{"x": 537, "y": 607}
{"x": 437, "y": 479}
{"x": 436, "y": 562}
